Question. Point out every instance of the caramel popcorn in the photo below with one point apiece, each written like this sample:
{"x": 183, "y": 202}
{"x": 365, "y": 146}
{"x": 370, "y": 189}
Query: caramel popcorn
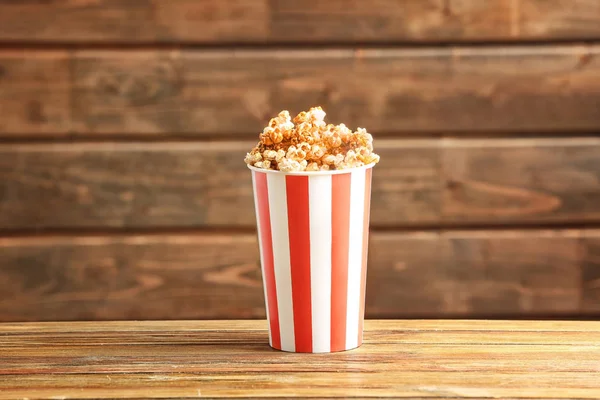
{"x": 307, "y": 143}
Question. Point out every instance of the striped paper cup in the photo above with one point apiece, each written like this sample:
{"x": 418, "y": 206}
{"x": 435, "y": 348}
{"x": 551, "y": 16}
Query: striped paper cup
{"x": 313, "y": 232}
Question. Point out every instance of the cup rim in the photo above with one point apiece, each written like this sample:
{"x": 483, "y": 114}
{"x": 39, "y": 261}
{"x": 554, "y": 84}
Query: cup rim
{"x": 312, "y": 173}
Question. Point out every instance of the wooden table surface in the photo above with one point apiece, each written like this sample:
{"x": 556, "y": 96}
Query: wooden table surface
{"x": 409, "y": 359}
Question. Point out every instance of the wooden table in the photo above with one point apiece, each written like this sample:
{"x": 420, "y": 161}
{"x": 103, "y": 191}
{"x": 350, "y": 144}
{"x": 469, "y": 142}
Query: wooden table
{"x": 438, "y": 359}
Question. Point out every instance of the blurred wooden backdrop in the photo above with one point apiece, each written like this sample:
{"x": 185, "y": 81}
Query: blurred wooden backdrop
{"x": 123, "y": 125}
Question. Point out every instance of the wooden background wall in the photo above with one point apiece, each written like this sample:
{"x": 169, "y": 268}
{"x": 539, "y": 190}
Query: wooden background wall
{"x": 123, "y": 125}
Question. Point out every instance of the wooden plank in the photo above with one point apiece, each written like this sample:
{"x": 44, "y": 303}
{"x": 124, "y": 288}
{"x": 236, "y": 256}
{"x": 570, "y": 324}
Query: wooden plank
{"x": 76, "y": 21}
{"x": 426, "y": 358}
{"x": 16, "y": 339}
{"x": 307, "y": 21}
{"x": 555, "y": 19}
{"x": 34, "y": 92}
{"x": 218, "y": 276}
{"x": 418, "y": 183}
{"x": 469, "y": 90}
{"x": 134, "y": 21}
{"x": 434, "y": 20}
{"x": 311, "y": 384}
{"x": 376, "y": 328}
{"x": 214, "y": 92}
{"x": 125, "y": 185}
{"x": 527, "y": 181}
{"x": 130, "y": 278}
{"x": 496, "y": 273}
{"x": 179, "y": 184}
{"x": 107, "y": 361}
{"x": 590, "y": 248}
{"x": 475, "y": 273}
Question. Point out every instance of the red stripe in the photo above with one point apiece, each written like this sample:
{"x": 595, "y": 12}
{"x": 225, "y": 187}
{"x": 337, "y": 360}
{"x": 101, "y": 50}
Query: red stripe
{"x": 264, "y": 214}
{"x": 299, "y": 236}
{"x": 340, "y": 230}
{"x": 365, "y": 250}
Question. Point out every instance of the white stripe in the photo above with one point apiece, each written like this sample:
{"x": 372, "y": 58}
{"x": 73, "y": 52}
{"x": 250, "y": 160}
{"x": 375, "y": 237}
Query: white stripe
{"x": 357, "y": 210}
{"x": 319, "y": 189}
{"x": 262, "y": 256}
{"x": 281, "y": 256}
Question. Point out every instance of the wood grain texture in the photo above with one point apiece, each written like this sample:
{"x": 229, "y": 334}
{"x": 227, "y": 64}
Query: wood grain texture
{"x": 34, "y": 92}
{"x": 476, "y": 273}
{"x": 406, "y": 359}
{"x": 591, "y": 273}
{"x": 418, "y": 183}
{"x": 119, "y": 185}
{"x": 386, "y": 90}
{"x": 179, "y": 185}
{"x": 202, "y": 276}
{"x": 306, "y": 21}
{"x": 223, "y": 92}
{"x": 528, "y": 180}
{"x": 134, "y": 21}
{"x": 139, "y": 277}
{"x": 434, "y": 20}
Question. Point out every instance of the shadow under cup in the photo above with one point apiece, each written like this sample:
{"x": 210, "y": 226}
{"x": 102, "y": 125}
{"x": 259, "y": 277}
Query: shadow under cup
{"x": 313, "y": 230}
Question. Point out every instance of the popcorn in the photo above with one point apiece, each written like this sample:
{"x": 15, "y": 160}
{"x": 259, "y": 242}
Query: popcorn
{"x": 317, "y": 116}
{"x": 328, "y": 159}
{"x": 270, "y": 155}
{"x": 287, "y": 165}
{"x": 313, "y": 166}
{"x": 280, "y": 155}
{"x": 253, "y": 158}
{"x": 307, "y": 143}
{"x": 339, "y": 162}
{"x": 316, "y": 152}
{"x": 263, "y": 164}
{"x": 333, "y": 140}
{"x": 305, "y": 147}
